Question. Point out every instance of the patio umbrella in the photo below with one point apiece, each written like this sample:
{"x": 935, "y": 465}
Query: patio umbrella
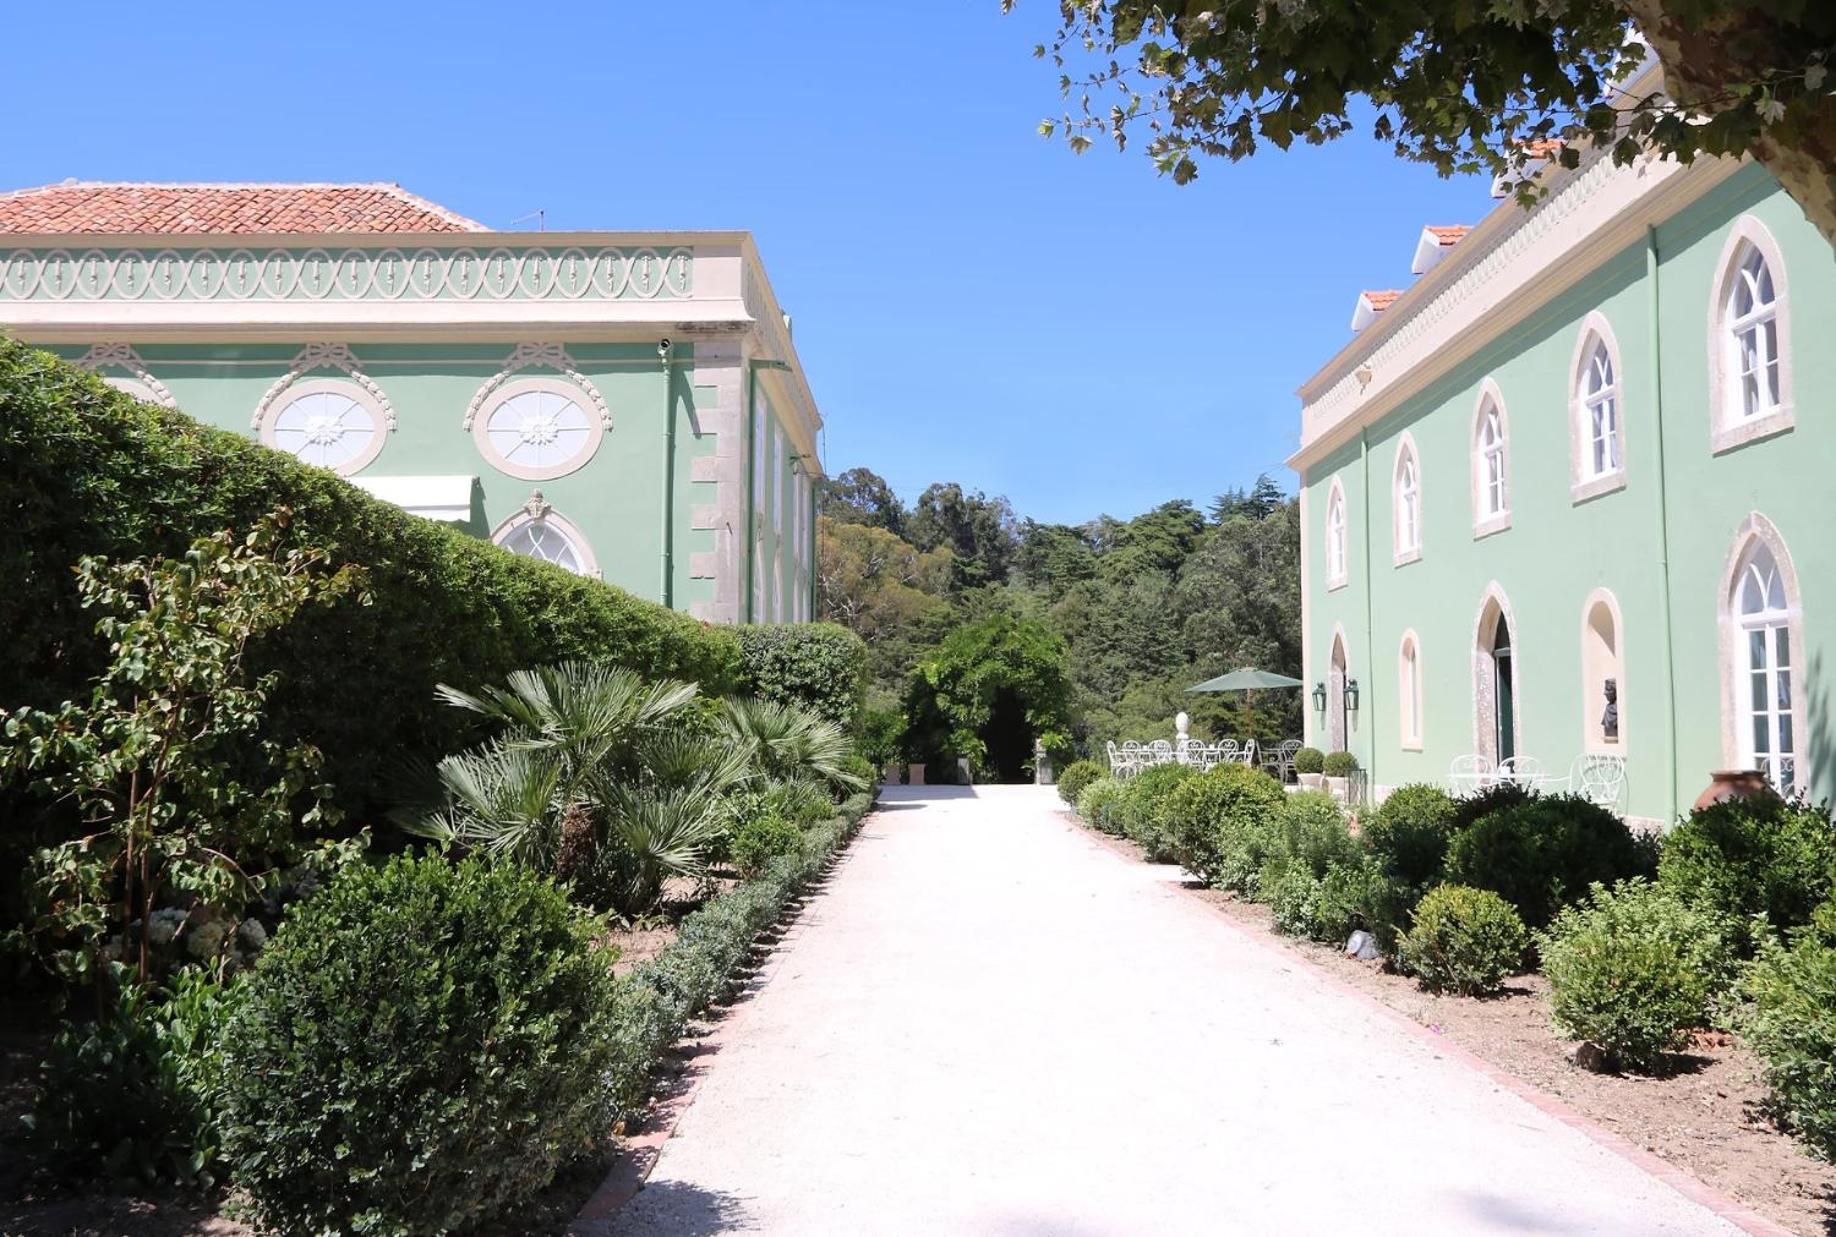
{"x": 1246, "y": 681}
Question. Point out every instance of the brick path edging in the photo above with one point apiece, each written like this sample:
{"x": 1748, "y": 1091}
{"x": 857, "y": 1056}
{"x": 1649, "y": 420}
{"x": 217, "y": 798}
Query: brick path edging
{"x": 1682, "y": 1181}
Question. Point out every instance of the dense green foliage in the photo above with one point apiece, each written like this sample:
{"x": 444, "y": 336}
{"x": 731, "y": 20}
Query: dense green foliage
{"x": 818, "y": 667}
{"x": 1542, "y": 852}
{"x": 421, "y": 1047}
{"x": 1408, "y": 833}
{"x": 762, "y": 839}
{"x": 1143, "y": 813}
{"x": 1339, "y": 764}
{"x": 1632, "y": 969}
{"x": 1207, "y": 815}
{"x": 1792, "y": 1026}
{"x": 1311, "y": 833}
{"x": 88, "y": 470}
{"x": 1099, "y": 804}
{"x": 1464, "y": 940}
{"x": 1748, "y": 857}
{"x": 131, "y": 1098}
{"x": 1309, "y": 760}
{"x": 1077, "y": 775}
{"x": 987, "y": 693}
{"x": 1464, "y": 88}
{"x": 1145, "y": 607}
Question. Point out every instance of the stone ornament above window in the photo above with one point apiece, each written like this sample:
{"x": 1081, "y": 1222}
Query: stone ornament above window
{"x": 538, "y": 428}
{"x": 135, "y": 380}
{"x": 329, "y": 422}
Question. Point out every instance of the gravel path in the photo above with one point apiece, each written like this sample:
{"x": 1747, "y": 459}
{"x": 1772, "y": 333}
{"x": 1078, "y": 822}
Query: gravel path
{"x": 988, "y": 1023}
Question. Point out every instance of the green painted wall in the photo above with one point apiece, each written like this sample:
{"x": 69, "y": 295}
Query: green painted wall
{"x": 1557, "y": 551}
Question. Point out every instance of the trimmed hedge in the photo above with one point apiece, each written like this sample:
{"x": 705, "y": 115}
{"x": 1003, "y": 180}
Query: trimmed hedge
{"x": 1464, "y": 940}
{"x": 816, "y": 666}
{"x": 1748, "y": 858}
{"x": 86, "y": 469}
{"x": 1077, "y": 775}
{"x": 1541, "y": 852}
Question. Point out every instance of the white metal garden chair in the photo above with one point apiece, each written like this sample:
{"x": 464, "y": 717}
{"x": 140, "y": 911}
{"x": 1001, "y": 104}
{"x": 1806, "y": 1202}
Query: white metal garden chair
{"x": 1249, "y": 750}
{"x": 1469, "y": 773}
{"x": 1279, "y": 761}
{"x": 1526, "y": 771}
{"x": 1599, "y": 779}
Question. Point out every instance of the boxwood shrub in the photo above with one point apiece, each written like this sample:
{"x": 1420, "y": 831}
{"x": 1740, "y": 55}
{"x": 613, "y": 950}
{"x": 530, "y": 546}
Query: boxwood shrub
{"x": 89, "y": 470}
{"x": 1309, "y": 760}
{"x": 1791, "y": 1024}
{"x": 1077, "y": 775}
{"x": 1339, "y": 764}
{"x": 421, "y": 1046}
{"x": 1464, "y": 940}
{"x": 821, "y": 667}
{"x": 1211, "y": 813}
{"x": 1408, "y": 833}
{"x": 1753, "y": 857}
{"x": 1099, "y": 802}
{"x": 1542, "y": 852}
{"x": 1142, "y": 811}
{"x": 1631, "y": 970}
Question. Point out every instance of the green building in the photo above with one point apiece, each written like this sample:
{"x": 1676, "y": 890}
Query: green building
{"x": 626, "y": 405}
{"x": 1584, "y": 456}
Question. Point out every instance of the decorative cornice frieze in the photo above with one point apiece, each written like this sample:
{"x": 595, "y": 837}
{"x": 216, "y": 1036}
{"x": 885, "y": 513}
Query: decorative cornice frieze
{"x": 323, "y": 356}
{"x": 122, "y": 356}
{"x": 527, "y": 356}
{"x": 498, "y": 274}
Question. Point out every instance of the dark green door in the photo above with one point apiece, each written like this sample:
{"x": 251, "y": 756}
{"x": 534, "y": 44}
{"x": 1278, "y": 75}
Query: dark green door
{"x": 1502, "y": 678}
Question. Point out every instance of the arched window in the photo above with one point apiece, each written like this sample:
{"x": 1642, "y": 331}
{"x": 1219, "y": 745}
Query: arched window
{"x": 1596, "y": 412}
{"x": 538, "y": 428}
{"x": 1337, "y": 568}
{"x": 1406, "y": 503}
{"x": 1409, "y": 691}
{"x": 1603, "y": 681}
{"x": 538, "y": 531}
{"x": 1491, "y": 464}
{"x": 1749, "y": 339}
{"x": 1763, "y": 650}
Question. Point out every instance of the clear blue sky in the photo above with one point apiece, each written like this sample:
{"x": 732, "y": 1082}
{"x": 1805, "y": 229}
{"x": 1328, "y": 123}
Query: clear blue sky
{"x": 972, "y": 303}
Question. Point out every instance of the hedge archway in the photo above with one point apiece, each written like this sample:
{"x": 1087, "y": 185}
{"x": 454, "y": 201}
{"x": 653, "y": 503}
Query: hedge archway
{"x": 989, "y": 692}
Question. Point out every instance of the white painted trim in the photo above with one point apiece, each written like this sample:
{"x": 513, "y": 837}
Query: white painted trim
{"x": 1338, "y": 650}
{"x": 1486, "y": 523}
{"x": 539, "y": 509}
{"x": 1725, "y": 431}
{"x": 1410, "y": 642}
{"x": 574, "y": 393}
{"x": 283, "y": 394}
{"x": 550, "y": 356}
{"x": 1583, "y": 486}
{"x": 323, "y": 356}
{"x": 1590, "y": 717}
{"x": 1401, "y": 554}
{"x": 1484, "y": 706}
{"x": 123, "y": 356}
{"x": 1335, "y": 500}
{"x": 1757, "y": 528}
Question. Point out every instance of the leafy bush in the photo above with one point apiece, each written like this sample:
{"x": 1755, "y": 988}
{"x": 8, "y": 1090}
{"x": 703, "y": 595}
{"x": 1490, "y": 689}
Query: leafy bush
{"x": 1470, "y": 807}
{"x": 1542, "y": 852}
{"x": 1077, "y": 775}
{"x": 860, "y": 768}
{"x": 90, "y": 470}
{"x": 1142, "y": 812}
{"x": 1363, "y": 895}
{"x": 1791, "y": 1024}
{"x": 762, "y": 839}
{"x": 1748, "y": 857}
{"x": 1312, "y": 834}
{"x": 1294, "y": 895}
{"x": 1464, "y": 940}
{"x": 1408, "y": 833}
{"x": 818, "y": 667}
{"x": 882, "y": 736}
{"x": 131, "y": 1098}
{"x": 1632, "y": 970}
{"x": 421, "y": 1046}
{"x": 1309, "y": 760}
{"x": 1099, "y": 803}
{"x": 1339, "y": 764}
{"x": 1208, "y": 813}
{"x": 950, "y": 699}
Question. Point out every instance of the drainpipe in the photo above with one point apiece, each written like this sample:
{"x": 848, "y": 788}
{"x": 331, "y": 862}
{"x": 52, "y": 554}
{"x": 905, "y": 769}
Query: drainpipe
{"x": 1367, "y": 691}
{"x": 666, "y": 352}
{"x": 1663, "y": 501}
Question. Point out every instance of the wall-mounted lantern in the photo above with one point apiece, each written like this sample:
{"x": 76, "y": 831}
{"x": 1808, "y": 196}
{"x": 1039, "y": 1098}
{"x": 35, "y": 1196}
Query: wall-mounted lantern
{"x": 1351, "y": 695}
{"x": 1319, "y": 697}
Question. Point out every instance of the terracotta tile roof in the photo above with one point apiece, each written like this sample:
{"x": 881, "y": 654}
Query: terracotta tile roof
{"x": 98, "y": 208}
{"x": 1449, "y": 236}
{"x": 1381, "y": 301}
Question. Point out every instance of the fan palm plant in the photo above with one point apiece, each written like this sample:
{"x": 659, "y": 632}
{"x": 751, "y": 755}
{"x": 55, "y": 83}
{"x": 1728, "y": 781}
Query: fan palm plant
{"x": 787, "y": 744}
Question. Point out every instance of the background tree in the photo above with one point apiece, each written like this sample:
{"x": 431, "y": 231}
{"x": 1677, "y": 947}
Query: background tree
{"x": 886, "y": 590}
{"x": 861, "y": 496}
{"x": 978, "y": 530}
{"x": 1462, "y": 85}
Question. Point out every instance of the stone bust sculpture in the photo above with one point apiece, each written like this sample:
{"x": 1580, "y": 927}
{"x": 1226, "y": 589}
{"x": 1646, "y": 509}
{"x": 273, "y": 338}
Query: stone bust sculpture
{"x": 1609, "y": 720}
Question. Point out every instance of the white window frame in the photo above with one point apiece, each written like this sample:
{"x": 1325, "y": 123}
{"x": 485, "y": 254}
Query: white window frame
{"x": 559, "y": 387}
{"x": 1730, "y": 425}
{"x": 1491, "y": 514}
{"x": 1781, "y": 629}
{"x": 1409, "y": 692}
{"x": 538, "y": 510}
{"x": 1338, "y": 538}
{"x": 1406, "y": 503}
{"x": 1596, "y": 343}
{"x": 380, "y": 420}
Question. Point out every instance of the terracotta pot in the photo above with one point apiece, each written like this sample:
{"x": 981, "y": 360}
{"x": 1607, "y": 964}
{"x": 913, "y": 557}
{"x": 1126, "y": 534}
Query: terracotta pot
{"x": 1726, "y": 784}
{"x": 914, "y": 774}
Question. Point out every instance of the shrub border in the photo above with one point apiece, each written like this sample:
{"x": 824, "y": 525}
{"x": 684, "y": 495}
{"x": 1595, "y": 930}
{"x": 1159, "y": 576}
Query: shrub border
{"x": 1678, "y": 1179}
{"x": 637, "y": 1154}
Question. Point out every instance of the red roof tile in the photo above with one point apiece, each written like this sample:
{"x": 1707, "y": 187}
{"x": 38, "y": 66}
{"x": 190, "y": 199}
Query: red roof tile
{"x": 1449, "y": 236}
{"x": 1381, "y": 301}
{"x": 98, "y": 208}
